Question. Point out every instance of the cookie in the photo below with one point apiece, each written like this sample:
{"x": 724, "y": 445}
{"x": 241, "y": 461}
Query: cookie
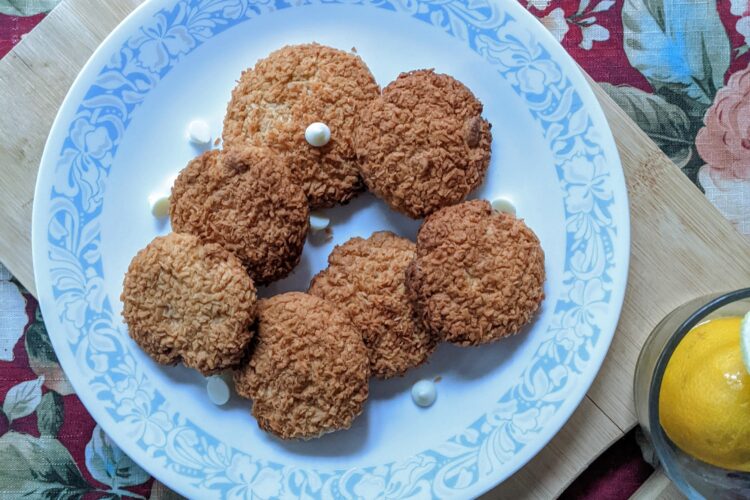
{"x": 478, "y": 275}
{"x": 423, "y": 144}
{"x": 308, "y": 371}
{"x": 244, "y": 200}
{"x": 297, "y": 85}
{"x": 366, "y": 279}
{"x": 190, "y": 302}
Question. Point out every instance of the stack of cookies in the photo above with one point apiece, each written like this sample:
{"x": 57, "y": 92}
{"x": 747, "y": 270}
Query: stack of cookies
{"x": 240, "y": 219}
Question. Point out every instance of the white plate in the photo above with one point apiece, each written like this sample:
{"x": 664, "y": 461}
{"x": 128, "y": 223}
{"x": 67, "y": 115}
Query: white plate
{"x": 121, "y": 133}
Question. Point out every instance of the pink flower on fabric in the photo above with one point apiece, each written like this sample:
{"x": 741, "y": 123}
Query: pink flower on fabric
{"x": 730, "y": 196}
{"x": 724, "y": 141}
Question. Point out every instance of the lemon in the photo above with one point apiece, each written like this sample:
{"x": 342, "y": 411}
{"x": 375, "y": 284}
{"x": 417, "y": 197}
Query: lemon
{"x": 704, "y": 402}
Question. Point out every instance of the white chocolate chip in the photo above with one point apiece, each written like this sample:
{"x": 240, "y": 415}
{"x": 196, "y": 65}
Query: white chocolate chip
{"x": 504, "y": 205}
{"x": 218, "y": 390}
{"x": 317, "y": 134}
{"x": 318, "y": 221}
{"x": 199, "y": 133}
{"x": 171, "y": 180}
{"x": 159, "y": 204}
{"x": 424, "y": 393}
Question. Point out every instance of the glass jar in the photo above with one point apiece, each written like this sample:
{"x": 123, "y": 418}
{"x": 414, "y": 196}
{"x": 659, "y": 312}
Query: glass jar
{"x": 693, "y": 477}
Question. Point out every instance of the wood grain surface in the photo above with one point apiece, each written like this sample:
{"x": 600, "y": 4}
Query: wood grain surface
{"x": 681, "y": 246}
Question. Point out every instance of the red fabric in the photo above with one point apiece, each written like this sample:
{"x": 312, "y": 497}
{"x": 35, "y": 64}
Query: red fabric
{"x": 607, "y": 61}
{"x": 616, "y": 474}
{"x": 77, "y": 427}
{"x": 13, "y": 28}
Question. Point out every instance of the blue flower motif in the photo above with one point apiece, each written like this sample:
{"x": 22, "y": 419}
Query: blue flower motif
{"x": 142, "y": 421}
{"x": 586, "y": 182}
{"x": 250, "y": 481}
{"x": 79, "y": 293}
{"x": 589, "y": 306}
{"x": 512, "y": 424}
{"x": 589, "y": 299}
{"x": 161, "y": 42}
{"x": 516, "y": 51}
{"x": 80, "y": 166}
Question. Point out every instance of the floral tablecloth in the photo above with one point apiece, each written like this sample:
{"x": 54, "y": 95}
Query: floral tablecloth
{"x": 679, "y": 68}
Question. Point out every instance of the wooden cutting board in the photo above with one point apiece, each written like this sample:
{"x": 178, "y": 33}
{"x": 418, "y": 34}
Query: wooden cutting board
{"x": 681, "y": 246}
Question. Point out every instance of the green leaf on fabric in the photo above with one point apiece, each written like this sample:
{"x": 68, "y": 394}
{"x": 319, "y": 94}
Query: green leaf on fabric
{"x": 38, "y": 468}
{"x": 26, "y": 7}
{"x": 38, "y": 314}
{"x": 38, "y": 344}
{"x": 109, "y": 465}
{"x": 680, "y": 46}
{"x": 43, "y": 360}
{"x": 50, "y": 414}
{"x": 22, "y": 399}
{"x": 666, "y": 124}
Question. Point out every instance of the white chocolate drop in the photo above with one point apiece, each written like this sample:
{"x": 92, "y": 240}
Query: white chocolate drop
{"x": 504, "y": 205}
{"x": 218, "y": 390}
{"x": 159, "y": 204}
{"x": 171, "y": 180}
{"x": 318, "y": 221}
{"x": 199, "y": 133}
{"x": 317, "y": 134}
{"x": 424, "y": 393}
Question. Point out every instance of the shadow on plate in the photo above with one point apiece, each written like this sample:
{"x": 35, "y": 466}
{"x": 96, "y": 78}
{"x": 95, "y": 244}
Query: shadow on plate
{"x": 298, "y": 280}
{"x": 340, "y": 214}
{"x": 448, "y": 360}
{"x": 378, "y": 210}
{"x": 398, "y": 223}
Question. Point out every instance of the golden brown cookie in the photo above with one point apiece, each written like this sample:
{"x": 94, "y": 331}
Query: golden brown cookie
{"x": 244, "y": 200}
{"x": 366, "y": 279}
{"x": 478, "y": 275}
{"x": 188, "y": 301}
{"x": 297, "y": 85}
{"x": 308, "y": 370}
{"x": 423, "y": 144}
